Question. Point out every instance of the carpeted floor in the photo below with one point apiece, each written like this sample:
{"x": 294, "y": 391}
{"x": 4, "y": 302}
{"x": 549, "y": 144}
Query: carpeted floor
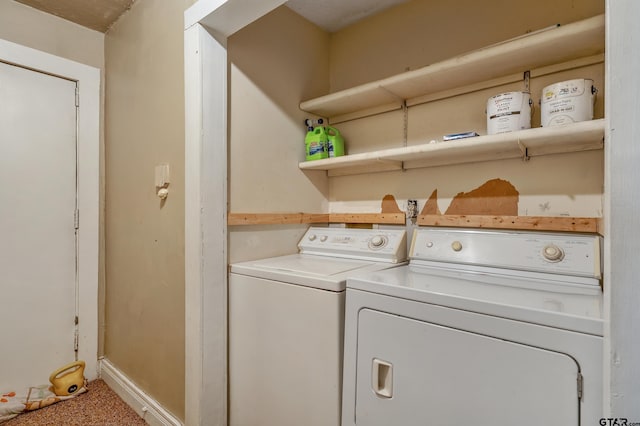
{"x": 100, "y": 406}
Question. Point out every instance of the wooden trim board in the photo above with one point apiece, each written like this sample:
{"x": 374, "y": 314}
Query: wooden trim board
{"x": 390, "y": 214}
{"x": 236, "y": 219}
{"x": 276, "y": 218}
{"x": 143, "y": 404}
{"x": 380, "y": 218}
{"x": 528, "y": 223}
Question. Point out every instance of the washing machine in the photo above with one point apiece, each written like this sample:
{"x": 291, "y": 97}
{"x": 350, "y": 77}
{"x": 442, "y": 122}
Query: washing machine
{"x": 481, "y": 327}
{"x": 286, "y": 325}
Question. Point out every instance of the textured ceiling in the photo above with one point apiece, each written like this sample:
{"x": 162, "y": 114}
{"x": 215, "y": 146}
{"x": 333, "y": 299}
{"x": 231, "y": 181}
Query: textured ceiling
{"x": 333, "y": 15}
{"x": 98, "y": 15}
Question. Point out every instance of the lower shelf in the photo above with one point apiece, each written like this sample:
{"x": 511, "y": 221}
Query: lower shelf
{"x": 574, "y": 137}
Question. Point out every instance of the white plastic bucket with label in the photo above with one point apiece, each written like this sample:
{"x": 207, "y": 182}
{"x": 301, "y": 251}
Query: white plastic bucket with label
{"x": 508, "y": 112}
{"x": 567, "y": 102}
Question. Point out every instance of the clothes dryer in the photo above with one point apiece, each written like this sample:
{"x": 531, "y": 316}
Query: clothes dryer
{"x": 286, "y": 325}
{"x": 482, "y": 327}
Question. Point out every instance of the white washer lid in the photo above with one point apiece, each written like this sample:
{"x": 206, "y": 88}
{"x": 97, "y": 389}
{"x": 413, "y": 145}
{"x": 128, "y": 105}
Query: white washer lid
{"x": 311, "y": 265}
{"x": 519, "y": 298}
{"x": 322, "y": 272}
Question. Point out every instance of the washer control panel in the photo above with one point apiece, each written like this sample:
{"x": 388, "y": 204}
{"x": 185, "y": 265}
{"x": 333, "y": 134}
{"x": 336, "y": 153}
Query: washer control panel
{"x": 368, "y": 244}
{"x": 571, "y": 254}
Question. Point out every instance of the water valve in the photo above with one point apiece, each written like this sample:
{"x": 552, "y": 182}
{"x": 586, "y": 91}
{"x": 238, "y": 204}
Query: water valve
{"x": 412, "y": 209}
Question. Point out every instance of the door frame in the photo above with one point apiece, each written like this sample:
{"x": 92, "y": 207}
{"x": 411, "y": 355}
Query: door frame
{"x": 208, "y": 24}
{"x": 88, "y": 191}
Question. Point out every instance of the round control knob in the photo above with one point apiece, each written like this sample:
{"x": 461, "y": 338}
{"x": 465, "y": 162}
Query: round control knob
{"x": 456, "y": 246}
{"x": 323, "y": 238}
{"x": 552, "y": 253}
{"x": 430, "y": 244}
{"x": 312, "y": 237}
{"x": 377, "y": 241}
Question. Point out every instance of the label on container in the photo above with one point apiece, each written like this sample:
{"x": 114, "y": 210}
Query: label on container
{"x": 567, "y": 102}
{"x": 331, "y": 151}
{"x": 316, "y": 148}
{"x": 508, "y": 112}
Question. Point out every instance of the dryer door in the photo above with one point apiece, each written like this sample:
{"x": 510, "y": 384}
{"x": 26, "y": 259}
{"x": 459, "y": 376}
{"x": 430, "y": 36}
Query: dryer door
{"x": 411, "y": 372}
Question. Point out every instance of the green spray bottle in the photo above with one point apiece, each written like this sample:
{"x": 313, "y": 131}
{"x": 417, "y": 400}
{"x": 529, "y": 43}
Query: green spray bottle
{"x": 336, "y": 142}
{"x": 316, "y": 143}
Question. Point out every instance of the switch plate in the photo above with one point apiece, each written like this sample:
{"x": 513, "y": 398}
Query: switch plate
{"x": 162, "y": 175}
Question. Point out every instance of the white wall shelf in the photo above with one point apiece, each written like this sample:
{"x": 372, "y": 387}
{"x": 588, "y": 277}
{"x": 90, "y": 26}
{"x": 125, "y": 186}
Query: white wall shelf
{"x": 581, "y": 136}
{"x": 539, "y": 49}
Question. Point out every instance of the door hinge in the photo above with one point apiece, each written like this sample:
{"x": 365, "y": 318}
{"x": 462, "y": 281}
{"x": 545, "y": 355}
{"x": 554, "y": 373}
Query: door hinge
{"x": 77, "y": 96}
{"x": 76, "y": 333}
{"x": 580, "y": 385}
{"x": 76, "y": 219}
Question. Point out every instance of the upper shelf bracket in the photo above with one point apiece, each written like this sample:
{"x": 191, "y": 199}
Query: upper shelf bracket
{"x": 524, "y": 150}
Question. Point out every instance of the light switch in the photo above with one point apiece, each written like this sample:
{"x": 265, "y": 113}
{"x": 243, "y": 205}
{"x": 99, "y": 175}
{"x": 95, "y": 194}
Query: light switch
{"x": 162, "y": 175}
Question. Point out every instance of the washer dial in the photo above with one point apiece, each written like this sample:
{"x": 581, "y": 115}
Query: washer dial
{"x": 377, "y": 242}
{"x": 552, "y": 253}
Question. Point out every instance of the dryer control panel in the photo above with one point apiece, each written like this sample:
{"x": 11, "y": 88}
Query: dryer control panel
{"x": 386, "y": 245}
{"x": 556, "y": 253}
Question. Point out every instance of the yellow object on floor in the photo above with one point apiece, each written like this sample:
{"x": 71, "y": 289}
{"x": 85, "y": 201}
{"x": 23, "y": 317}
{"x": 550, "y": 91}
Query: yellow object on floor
{"x": 68, "y": 379}
{"x": 66, "y": 383}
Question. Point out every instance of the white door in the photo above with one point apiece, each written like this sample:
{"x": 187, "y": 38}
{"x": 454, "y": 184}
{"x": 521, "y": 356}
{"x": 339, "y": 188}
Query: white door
{"x": 37, "y": 226}
{"x": 411, "y": 372}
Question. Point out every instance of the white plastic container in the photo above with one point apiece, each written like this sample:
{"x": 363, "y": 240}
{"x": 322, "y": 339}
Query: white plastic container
{"x": 567, "y": 102}
{"x": 508, "y": 112}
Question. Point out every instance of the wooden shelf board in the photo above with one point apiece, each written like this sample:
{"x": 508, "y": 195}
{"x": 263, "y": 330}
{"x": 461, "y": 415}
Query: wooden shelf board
{"x": 529, "y": 223}
{"x": 275, "y": 218}
{"x": 380, "y": 218}
{"x": 565, "y": 43}
{"x": 238, "y": 219}
{"x": 574, "y": 137}
{"x": 363, "y": 163}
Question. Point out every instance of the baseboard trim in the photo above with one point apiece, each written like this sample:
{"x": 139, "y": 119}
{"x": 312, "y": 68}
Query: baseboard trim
{"x": 144, "y": 405}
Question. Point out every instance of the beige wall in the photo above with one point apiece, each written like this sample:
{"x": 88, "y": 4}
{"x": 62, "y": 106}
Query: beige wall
{"x": 144, "y": 123}
{"x": 144, "y": 335}
{"x": 422, "y": 32}
{"x": 275, "y": 62}
{"x": 29, "y": 27}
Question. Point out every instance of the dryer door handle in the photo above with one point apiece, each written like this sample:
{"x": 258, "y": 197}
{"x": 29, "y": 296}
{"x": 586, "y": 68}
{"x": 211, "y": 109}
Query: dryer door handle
{"x": 382, "y": 378}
